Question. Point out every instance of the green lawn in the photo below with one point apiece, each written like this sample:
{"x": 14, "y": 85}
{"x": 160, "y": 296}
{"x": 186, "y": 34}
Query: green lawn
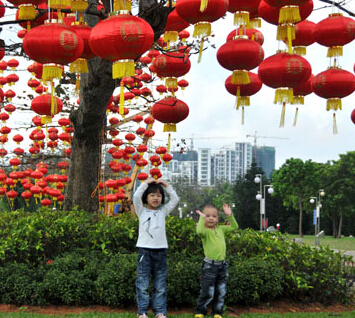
{"x": 130, "y": 315}
{"x": 345, "y": 243}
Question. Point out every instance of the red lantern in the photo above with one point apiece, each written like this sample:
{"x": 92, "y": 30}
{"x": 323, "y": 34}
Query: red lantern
{"x": 240, "y": 56}
{"x": 33, "y": 83}
{"x": 3, "y": 64}
{"x": 252, "y": 34}
{"x": 43, "y": 105}
{"x": 120, "y": 38}
{"x": 142, "y": 176}
{"x": 9, "y": 94}
{"x": 334, "y": 84}
{"x": 10, "y": 108}
{"x": 155, "y": 173}
{"x": 289, "y": 9}
{"x": 183, "y": 35}
{"x": 352, "y": 116}
{"x": 13, "y": 63}
{"x": 334, "y": 32}
{"x": 17, "y": 138}
{"x": 304, "y": 36}
{"x": 174, "y": 24}
{"x": 167, "y": 158}
{"x": 12, "y": 79}
{"x": 171, "y": 66}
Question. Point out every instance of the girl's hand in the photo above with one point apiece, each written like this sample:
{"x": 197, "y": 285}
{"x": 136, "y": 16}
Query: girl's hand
{"x": 202, "y": 215}
{"x": 163, "y": 182}
{"x": 150, "y": 180}
{"x": 227, "y": 209}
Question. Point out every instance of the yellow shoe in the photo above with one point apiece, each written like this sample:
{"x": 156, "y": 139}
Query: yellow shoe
{"x": 199, "y": 316}
{"x": 217, "y": 316}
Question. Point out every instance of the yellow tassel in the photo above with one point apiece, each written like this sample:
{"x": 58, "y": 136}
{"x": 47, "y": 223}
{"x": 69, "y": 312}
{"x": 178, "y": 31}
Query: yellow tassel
{"x": 300, "y": 50}
{"x": 80, "y": 65}
{"x": 203, "y": 5}
{"x": 27, "y": 12}
{"x": 121, "y": 107}
{"x": 202, "y": 29}
{"x": 54, "y": 109}
{"x": 283, "y": 95}
{"x": 169, "y": 127}
{"x": 296, "y": 116}
{"x": 335, "y": 51}
{"x": 118, "y": 5}
{"x": 46, "y": 120}
{"x": 298, "y": 100}
{"x": 171, "y": 82}
{"x": 240, "y": 77}
{"x": 60, "y": 4}
{"x": 78, "y": 5}
{"x": 285, "y": 33}
{"x": 123, "y": 68}
{"x": 254, "y": 23}
{"x": 200, "y": 51}
{"x": 171, "y": 36}
{"x": 242, "y": 115}
{"x": 169, "y": 143}
{"x": 334, "y": 104}
{"x": 283, "y": 112}
{"x": 289, "y": 14}
{"x": 243, "y": 101}
{"x": 335, "y": 129}
{"x": 51, "y": 71}
{"x": 241, "y": 18}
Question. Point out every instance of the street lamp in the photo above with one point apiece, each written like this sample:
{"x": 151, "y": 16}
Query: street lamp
{"x": 316, "y": 213}
{"x": 180, "y": 209}
{"x": 261, "y": 198}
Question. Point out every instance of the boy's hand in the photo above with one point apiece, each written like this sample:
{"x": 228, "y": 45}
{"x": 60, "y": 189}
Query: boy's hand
{"x": 163, "y": 182}
{"x": 202, "y": 215}
{"x": 227, "y": 209}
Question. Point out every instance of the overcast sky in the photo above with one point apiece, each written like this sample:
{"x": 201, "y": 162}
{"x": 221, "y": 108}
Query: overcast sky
{"x": 212, "y": 111}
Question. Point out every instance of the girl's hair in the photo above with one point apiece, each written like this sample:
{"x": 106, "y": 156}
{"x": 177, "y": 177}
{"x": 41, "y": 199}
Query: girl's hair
{"x": 153, "y": 188}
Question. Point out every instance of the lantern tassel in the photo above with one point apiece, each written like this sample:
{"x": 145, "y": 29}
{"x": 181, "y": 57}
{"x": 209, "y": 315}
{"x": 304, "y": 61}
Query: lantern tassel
{"x": 240, "y": 77}
{"x": 169, "y": 127}
{"x": 241, "y": 18}
{"x": 298, "y": 100}
{"x": 202, "y": 29}
{"x": 78, "y": 5}
{"x": 123, "y": 68}
{"x": 335, "y": 129}
{"x": 27, "y": 12}
{"x": 289, "y": 14}
{"x": 243, "y": 115}
{"x": 283, "y": 112}
{"x": 200, "y": 51}
{"x": 121, "y": 107}
{"x": 334, "y": 104}
{"x": 80, "y": 65}
{"x": 203, "y": 5}
{"x": 334, "y": 51}
{"x": 171, "y": 82}
{"x": 296, "y": 116}
{"x": 51, "y": 71}
{"x": 283, "y": 95}
{"x": 254, "y": 23}
{"x": 169, "y": 143}
{"x": 300, "y": 50}
{"x": 170, "y": 36}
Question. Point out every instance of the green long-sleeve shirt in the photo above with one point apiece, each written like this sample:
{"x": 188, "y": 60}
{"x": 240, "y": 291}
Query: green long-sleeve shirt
{"x": 213, "y": 241}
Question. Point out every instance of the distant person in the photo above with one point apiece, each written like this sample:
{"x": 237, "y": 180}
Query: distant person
{"x": 214, "y": 271}
{"x": 149, "y": 203}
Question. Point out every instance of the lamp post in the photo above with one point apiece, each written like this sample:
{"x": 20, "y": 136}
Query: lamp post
{"x": 180, "y": 209}
{"x": 316, "y": 214}
{"x": 261, "y": 198}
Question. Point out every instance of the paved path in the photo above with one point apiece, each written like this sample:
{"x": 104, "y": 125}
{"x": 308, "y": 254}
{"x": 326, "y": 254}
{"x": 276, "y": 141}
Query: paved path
{"x": 350, "y": 253}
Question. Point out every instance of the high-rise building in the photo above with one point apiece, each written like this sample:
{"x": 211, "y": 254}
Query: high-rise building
{"x": 204, "y": 167}
{"x": 244, "y": 157}
{"x": 225, "y": 165}
{"x": 265, "y": 159}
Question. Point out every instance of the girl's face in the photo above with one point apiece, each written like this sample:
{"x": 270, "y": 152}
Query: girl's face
{"x": 154, "y": 200}
{"x": 211, "y": 215}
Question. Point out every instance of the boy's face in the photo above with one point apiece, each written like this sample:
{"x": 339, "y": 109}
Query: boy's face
{"x": 211, "y": 217}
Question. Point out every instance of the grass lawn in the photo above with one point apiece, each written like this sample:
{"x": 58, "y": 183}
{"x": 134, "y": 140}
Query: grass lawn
{"x": 345, "y": 243}
{"x": 131, "y": 315}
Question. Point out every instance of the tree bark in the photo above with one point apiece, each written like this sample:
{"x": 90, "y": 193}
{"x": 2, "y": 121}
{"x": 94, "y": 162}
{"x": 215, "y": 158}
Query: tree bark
{"x": 301, "y": 218}
{"x": 340, "y": 224}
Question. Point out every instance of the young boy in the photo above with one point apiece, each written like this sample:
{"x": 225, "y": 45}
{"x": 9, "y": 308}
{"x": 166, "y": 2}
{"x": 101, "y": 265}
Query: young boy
{"x": 214, "y": 271}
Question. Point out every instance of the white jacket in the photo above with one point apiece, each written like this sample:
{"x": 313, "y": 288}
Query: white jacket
{"x": 152, "y": 222}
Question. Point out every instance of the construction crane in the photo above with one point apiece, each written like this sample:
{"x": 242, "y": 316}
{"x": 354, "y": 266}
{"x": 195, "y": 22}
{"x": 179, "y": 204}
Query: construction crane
{"x": 255, "y": 136}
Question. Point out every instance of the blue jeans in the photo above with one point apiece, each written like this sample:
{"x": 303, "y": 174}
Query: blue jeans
{"x": 213, "y": 288}
{"x": 151, "y": 262}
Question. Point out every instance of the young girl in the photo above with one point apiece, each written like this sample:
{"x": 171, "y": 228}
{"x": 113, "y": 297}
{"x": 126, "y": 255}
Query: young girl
{"x": 149, "y": 203}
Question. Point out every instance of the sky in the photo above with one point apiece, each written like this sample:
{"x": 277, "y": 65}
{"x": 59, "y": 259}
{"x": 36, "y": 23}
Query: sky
{"x": 213, "y": 114}
{"x": 213, "y": 121}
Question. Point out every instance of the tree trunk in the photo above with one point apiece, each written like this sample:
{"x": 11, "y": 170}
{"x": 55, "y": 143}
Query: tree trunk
{"x": 335, "y": 230}
{"x": 89, "y": 122}
{"x": 301, "y": 218}
{"x": 340, "y": 224}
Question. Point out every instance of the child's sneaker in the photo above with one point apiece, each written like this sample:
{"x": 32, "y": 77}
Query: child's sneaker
{"x": 199, "y": 316}
{"x": 143, "y": 316}
{"x": 160, "y": 316}
{"x": 217, "y": 316}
